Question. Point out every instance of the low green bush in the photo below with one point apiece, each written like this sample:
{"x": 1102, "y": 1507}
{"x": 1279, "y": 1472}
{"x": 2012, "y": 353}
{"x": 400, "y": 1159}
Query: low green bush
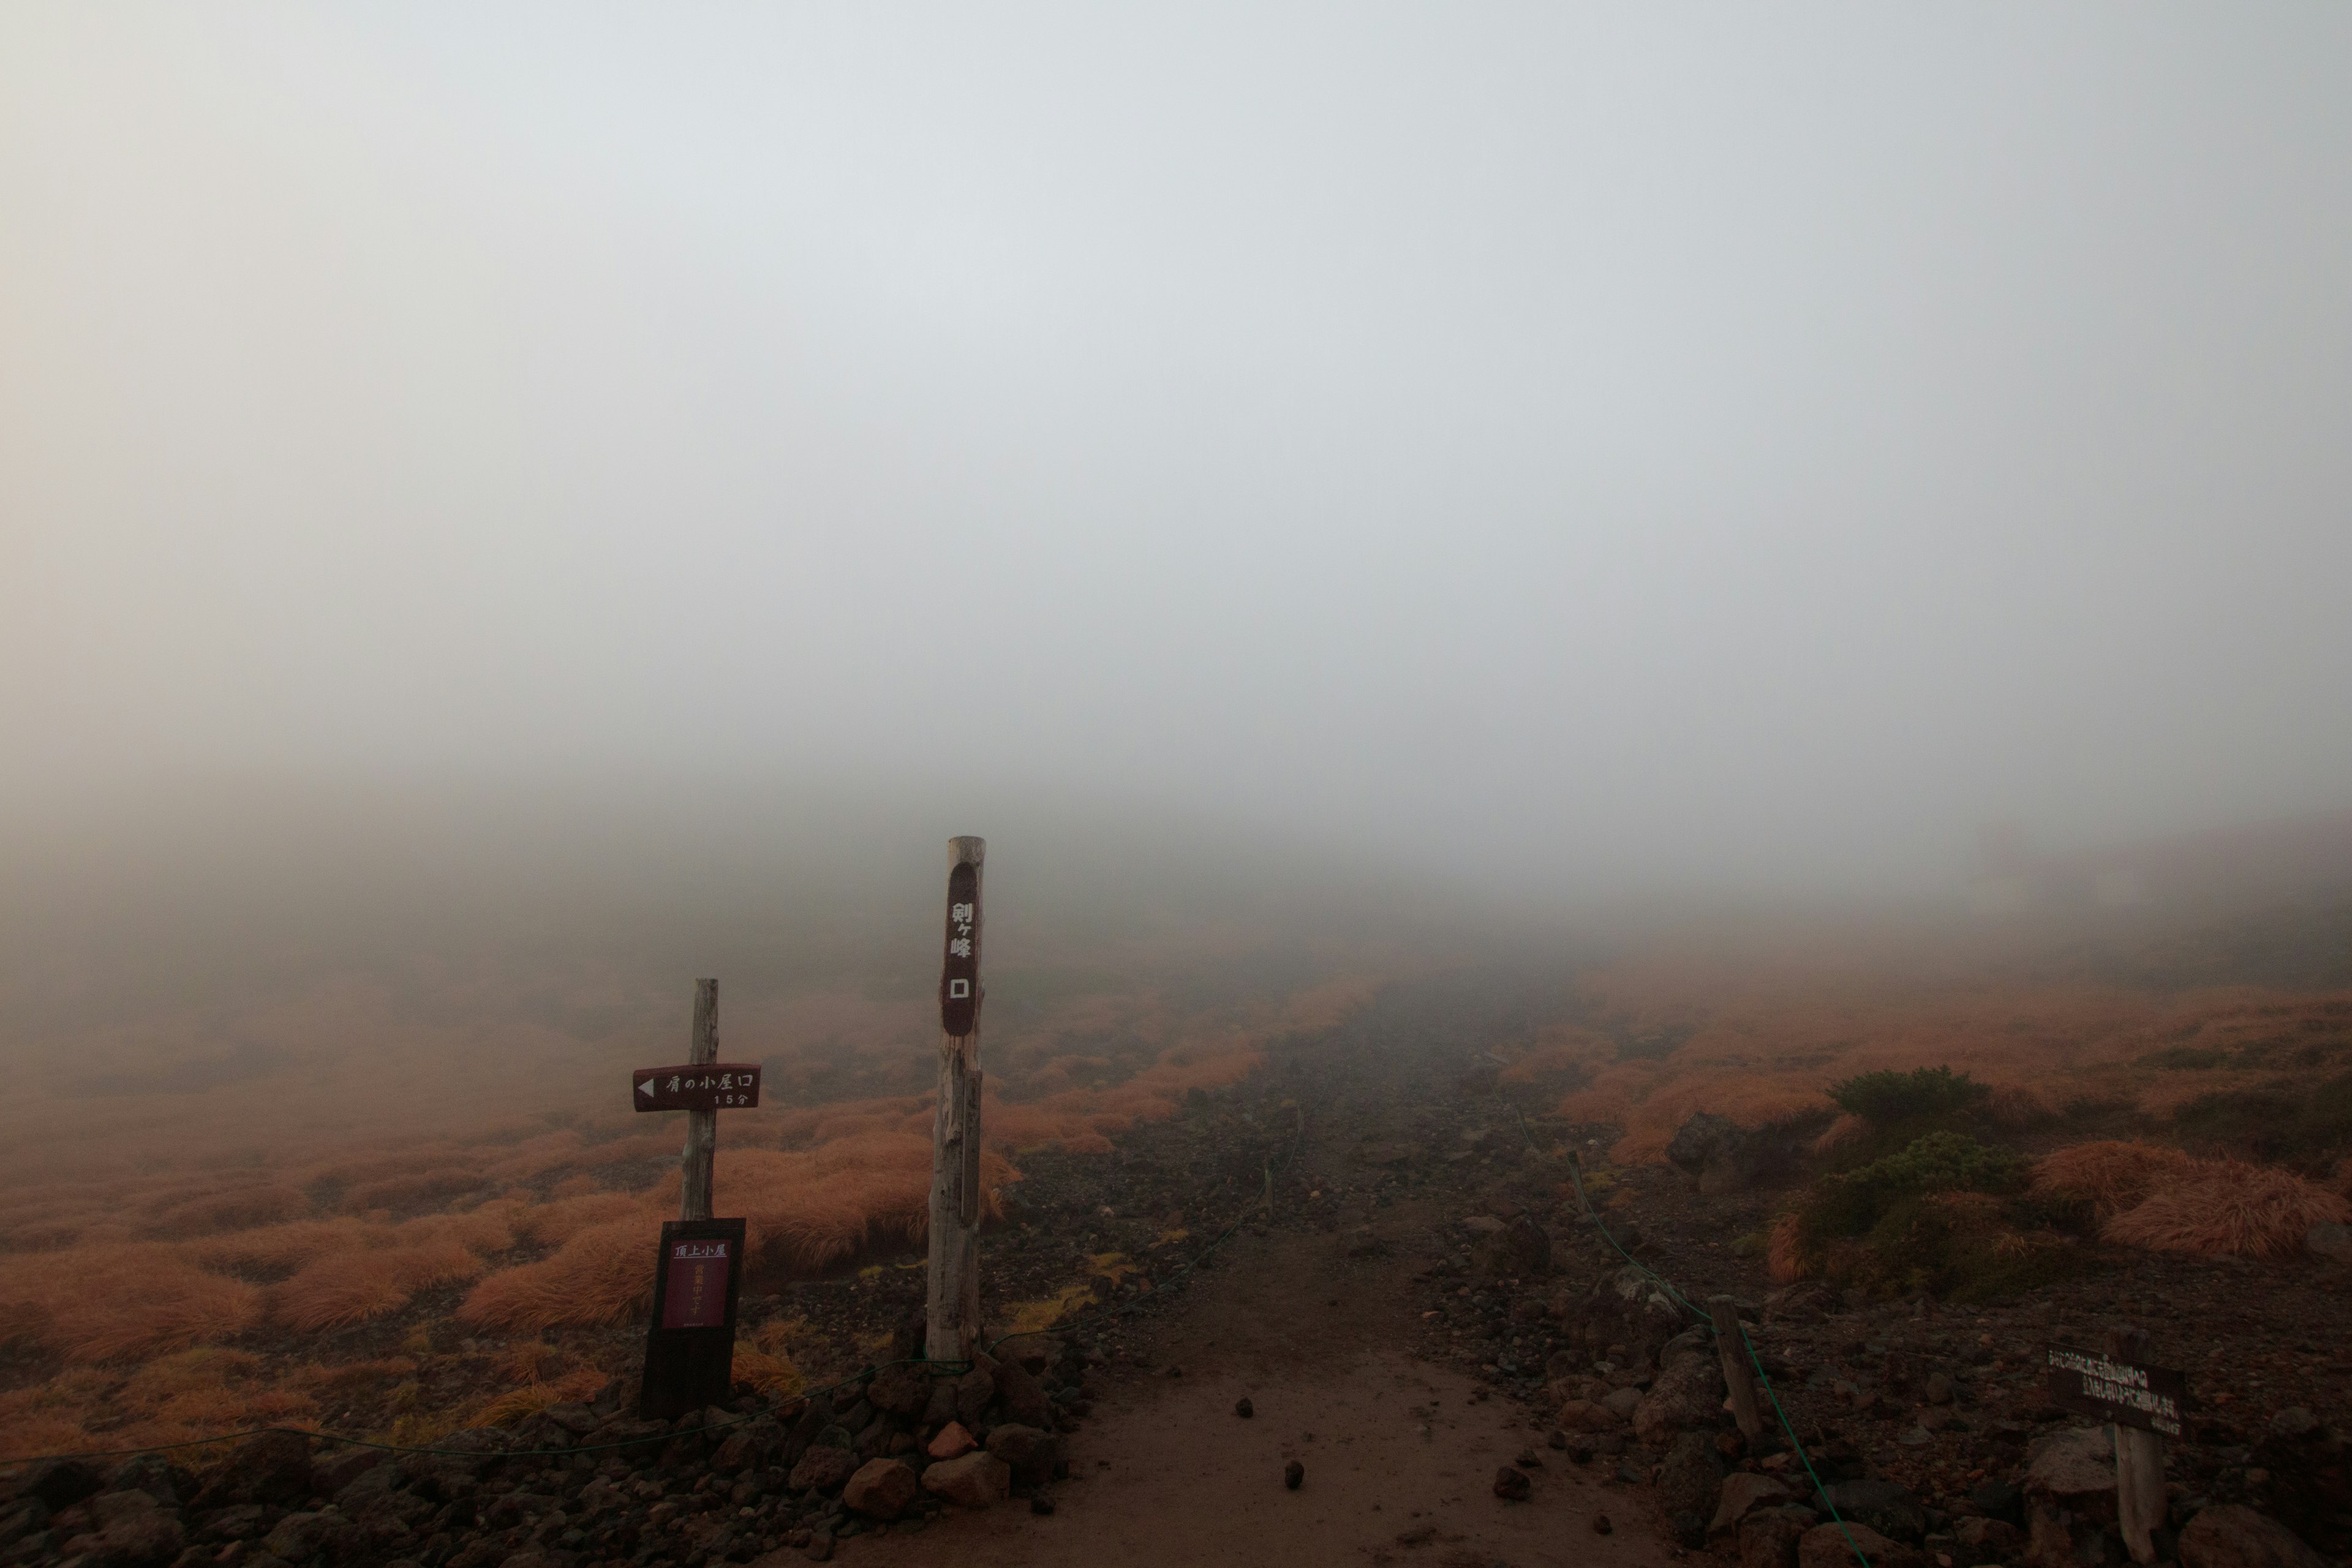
{"x": 1904, "y": 1098}
{"x": 1945, "y": 1213}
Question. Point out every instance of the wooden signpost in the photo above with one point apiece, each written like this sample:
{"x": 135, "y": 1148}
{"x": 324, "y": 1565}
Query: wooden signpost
{"x": 2142, "y": 1404}
{"x": 697, "y": 1274}
{"x": 951, "y": 1307}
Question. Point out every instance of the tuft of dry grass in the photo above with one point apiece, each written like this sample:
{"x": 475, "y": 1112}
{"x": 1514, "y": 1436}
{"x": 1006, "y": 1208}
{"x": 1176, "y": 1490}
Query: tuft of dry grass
{"x": 2229, "y": 1209}
{"x": 351, "y": 1287}
{"x": 598, "y": 1275}
{"x": 2112, "y": 1176}
{"x": 515, "y": 1404}
{"x": 1784, "y": 1256}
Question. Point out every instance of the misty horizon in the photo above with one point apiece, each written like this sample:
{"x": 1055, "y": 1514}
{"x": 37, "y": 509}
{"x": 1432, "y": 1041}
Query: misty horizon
{"x": 1576, "y": 457}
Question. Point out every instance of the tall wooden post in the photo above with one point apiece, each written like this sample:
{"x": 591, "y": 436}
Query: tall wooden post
{"x": 2141, "y": 1503}
{"x": 1738, "y": 1375}
{"x": 951, "y": 1309}
{"x": 702, "y": 1126}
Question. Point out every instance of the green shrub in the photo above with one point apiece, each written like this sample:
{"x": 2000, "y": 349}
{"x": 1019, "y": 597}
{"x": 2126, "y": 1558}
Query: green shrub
{"x": 1852, "y": 1203}
{"x": 1944, "y": 1212}
{"x": 1908, "y": 1098}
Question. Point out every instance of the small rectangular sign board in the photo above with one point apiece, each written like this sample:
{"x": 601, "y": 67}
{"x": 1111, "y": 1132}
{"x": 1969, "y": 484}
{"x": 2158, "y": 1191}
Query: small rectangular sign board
{"x": 2148, "y": 1397}
{"x": 713, "y": 1086}
{"x": 690, "y": 1343}
{"x": 959, "y": 974}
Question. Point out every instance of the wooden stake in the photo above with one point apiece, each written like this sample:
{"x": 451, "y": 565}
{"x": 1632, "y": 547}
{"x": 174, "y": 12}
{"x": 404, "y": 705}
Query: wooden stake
{"x": 951, "y": 1307}
{"x": 2141, "y": 1503}
{"x": 702, "y": 1126}
{"x": 1738, "y": 1374}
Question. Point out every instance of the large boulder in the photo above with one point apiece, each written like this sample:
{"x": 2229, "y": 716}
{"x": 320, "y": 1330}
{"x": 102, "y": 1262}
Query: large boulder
{"x": 881, "y": 1489}
{"x": 1517, "y": 1250}
{"x": 272, "y": 1468}
{"x": 2069, "y": 1494}
{"x": 2229, "y": 1536}
{"x": 1833, "y": 1546}
{"x": 1029, "y": 1450}
{"x": 1686, "y": 1396}
{"x": 976, "y": 1481}
{"x": 900, "y": 1390}
{"x": 129, "y": 1530}
{"x": 1978, "y": 1541}
{"x": 1689, "y": 1481}
{"x": 1024, "y": 1398}
{"x": 60, "y": 1483}
{"x": 1768, "y": 1537}
{"x": 1586, "y": 1415}
{"x": 1887, "y": 1507}
{"x": 1742, "y": 1494}
{"x": 823, "y": 1469}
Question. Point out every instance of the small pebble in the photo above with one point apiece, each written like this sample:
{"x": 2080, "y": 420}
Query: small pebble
{"x": 1292, "y": 1474}
{"x": 1558, "y": 1439}
{"x": 1527, "y": 1460}
{"x": 1511, "y": 1484}
{"x": 1601, "y": 1525}
{"x": 1243, "y": 1409}
{"x": 1040, "y": 1503}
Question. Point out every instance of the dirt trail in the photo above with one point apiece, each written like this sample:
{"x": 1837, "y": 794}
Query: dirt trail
{"x": 1315, "y": 1324}
{"x": 1400, "y": 1457}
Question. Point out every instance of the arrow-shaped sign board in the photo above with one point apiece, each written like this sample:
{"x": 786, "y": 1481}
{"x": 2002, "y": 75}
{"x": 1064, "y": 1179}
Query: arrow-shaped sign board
{"x": 713, "y": 1086}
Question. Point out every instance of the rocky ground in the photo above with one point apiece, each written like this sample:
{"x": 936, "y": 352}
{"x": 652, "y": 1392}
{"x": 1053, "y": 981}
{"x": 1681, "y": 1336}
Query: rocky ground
{"x": 1384, "y": 1157}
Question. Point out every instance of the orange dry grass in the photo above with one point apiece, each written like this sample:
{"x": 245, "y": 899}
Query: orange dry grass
{"x": 598, "y": 1275}
{"x": 1782, "y": 1258}
{"x": 2112, "y": 1176}
{"x": 2229, "y": 1209}
{"x": 128, "y": 1300}
{"x": 351, "y": 1287}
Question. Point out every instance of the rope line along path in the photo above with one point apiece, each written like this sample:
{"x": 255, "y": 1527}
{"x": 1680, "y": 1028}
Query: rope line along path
{"x": 1576, "y": 1174}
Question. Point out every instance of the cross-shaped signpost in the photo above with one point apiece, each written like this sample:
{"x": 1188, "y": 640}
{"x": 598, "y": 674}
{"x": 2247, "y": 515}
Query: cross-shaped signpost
{"x": 690, "y": 1344}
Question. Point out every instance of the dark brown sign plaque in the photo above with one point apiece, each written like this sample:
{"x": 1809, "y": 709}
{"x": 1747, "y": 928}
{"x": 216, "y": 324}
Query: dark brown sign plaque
{"x": 713, "y": 1086}
{"x": 2148, "y": 1397}
{"x": 959, "y": 976}
{"x": 690, "y": 1343}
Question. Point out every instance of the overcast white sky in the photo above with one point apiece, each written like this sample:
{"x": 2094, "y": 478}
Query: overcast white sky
{"x": 1609, "y": 443}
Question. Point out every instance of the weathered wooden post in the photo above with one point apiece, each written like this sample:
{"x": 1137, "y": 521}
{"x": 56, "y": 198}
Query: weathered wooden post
{"x": 702, "y": 1126}
{"x": 951, "y": 1311}
{"x": 2141, "y": 1505}
{"x": 1738, "y": 1376}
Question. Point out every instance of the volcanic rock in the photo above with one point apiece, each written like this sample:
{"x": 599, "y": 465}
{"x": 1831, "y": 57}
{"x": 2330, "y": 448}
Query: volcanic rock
{"x": 975, "y": 1481}
{"x": 1688, "y": 1482}
{"x": 1825, "y": 1546}
{"x": 1686, "y": 1396}
{"x": 271, "y": 1468}
{"x": 900, "y": 1390}
{"x": 824, "y": 1468}
{"x": 953, "y": 1442}
{"x": 1742, "y": 1494}
{"x": 1511, "y": 1484}
{"x": 1293, "y": 1474}
{"x": 881, "y": 1489}
{"x": 2229, "y": 1536}
{"x": 1768, "y": 1537}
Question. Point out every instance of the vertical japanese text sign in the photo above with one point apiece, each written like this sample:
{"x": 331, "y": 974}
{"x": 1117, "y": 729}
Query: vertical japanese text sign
{"x": 691, "y": 1344}
{"x": 960, "y": 975}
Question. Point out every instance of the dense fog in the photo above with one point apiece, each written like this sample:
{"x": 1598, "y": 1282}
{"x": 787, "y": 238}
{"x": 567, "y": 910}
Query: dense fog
{"x": 526, "y": 470}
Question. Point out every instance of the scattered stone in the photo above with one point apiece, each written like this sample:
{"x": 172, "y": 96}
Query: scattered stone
{"x": 1040, "y": 1503}
{"x": 1511, "y": 1484}
{"x": 60, "y": 1483}
{"x": 1601, "y": 1525}
{"x": 1558, "y": 1439}
{"x": 1938, "y": 1389}
{"x": 1029, "y": 1450}
{"x": 1244, "y": 1408}
{"x": 953, "y": 1442}
{"x": 881, "y": 1489}
{"x": 2079, "y": 1462}
{"x": 2229, "y": 1535}
{"x": 272, "y": 1468}
{"x": 1293, "y": 1474}
{"x": 1825, "y": 1546}
{"x": 1024, "y": 1398}
{"x": 1519, "y": 1250}
{"x": 1978, "y": 1541}
{"x": 1742, "y": 1493}
{"x": 975, "y": 1481}
{"x": 2294, "y": 1422}
{"x": 819, "y": 1548}
{"x": 2329, "y": 1240}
